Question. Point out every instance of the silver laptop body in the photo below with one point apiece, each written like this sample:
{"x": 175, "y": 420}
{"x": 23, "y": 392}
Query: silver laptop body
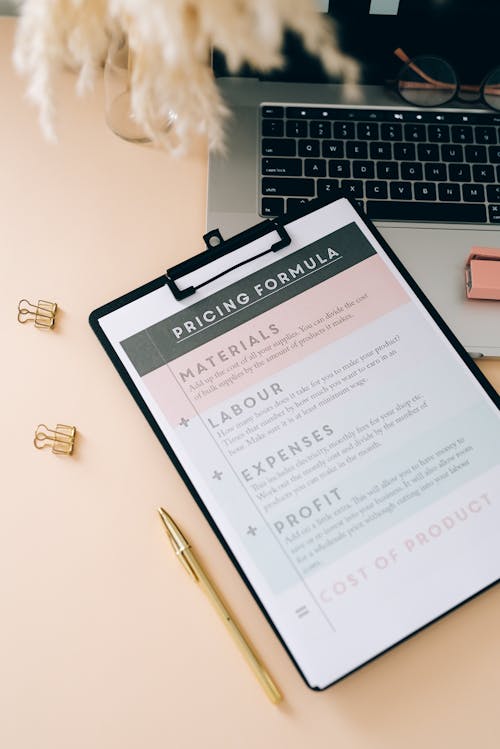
{"x": 434, "y": 253}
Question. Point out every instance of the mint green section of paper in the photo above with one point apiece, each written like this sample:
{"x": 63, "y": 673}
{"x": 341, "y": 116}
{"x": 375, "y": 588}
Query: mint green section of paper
{"x": 477, "y": 426}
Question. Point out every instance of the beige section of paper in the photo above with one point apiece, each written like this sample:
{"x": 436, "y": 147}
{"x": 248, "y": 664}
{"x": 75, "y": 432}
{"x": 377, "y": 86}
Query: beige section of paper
{"x": 104, "y": 641}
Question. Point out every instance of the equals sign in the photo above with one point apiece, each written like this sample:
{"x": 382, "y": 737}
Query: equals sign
{"x": 302, "y": 611}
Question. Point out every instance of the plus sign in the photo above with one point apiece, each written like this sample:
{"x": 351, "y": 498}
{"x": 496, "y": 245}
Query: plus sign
{"x": 183, "y": 422}
{"x": 252, "y": 530}
{"x": 217, "y": 475}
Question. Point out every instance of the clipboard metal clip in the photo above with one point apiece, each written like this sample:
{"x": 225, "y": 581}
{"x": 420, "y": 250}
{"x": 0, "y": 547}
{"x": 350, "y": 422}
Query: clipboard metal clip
{"x": 217, "y": 247}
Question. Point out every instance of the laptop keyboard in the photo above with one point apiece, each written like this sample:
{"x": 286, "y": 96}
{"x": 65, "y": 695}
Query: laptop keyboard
{"x": 398, "y": 165}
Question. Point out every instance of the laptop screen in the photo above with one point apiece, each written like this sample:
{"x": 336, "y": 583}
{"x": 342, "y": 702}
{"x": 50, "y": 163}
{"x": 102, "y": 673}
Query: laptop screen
{"x": 464, "y": 32}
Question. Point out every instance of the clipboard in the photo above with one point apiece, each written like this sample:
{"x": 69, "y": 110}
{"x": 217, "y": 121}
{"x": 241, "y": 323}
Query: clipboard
{"x": 354, "y": 492}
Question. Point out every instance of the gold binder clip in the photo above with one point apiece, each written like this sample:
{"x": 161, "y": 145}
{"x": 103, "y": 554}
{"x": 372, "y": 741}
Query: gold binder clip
{"x": 61, "y": 439}
{"x": 42, "y": 314}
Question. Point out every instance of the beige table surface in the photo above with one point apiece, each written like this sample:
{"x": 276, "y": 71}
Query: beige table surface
{"x": 104, "y": 642}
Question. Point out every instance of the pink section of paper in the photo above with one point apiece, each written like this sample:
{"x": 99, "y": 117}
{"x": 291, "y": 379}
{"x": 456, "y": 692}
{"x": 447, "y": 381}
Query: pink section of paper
{"x": 179, "y": 399}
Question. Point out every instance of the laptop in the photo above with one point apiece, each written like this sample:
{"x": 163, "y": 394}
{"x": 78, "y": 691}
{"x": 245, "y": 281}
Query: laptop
{"x": 429, "y": 178}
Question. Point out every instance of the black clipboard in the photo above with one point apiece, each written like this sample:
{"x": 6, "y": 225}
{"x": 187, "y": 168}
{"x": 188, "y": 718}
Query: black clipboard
{"x": 217, "y": 247}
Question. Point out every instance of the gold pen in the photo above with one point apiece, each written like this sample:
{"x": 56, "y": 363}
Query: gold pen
{"x": 185, "y": 555}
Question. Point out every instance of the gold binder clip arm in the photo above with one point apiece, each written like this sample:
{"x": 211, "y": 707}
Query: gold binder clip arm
{"x": 42, "y": 314}
{"x": 61, "y": 439}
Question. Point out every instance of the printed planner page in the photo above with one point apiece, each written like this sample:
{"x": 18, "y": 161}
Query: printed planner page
{"x": 345, "y": 452}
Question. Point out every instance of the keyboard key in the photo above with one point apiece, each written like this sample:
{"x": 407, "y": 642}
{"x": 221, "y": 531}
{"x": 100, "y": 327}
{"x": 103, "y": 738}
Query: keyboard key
{"x": 355, "y": 150}
{"x": 401, "y": 190}
{"x": 320, "y": 129}
{"x": 272, "y": 206}
{"x": 414, "y": 211}
{"x": 333, "y": 149}
{"x": 368, "y": 131}
{"x": 459, "y": 172}
{"x": 473, "y": 193}
{"x": 476, "y": 154}
{"x": 308, "y": 147}
{"x": 391, "y": 132}
{"x": 494, "y": 154}
{"x": 411, "y": 170}
{"x": 272, "y": 111}
{"x": 296, "y": 129}
{"x": 449, "y": 191}
{"x": 485, "y": 135}
{"x": 493, "y": 193}
{"x": 461, "y": 134}
{"x": 428, "y": 152}
{"x": 494, "y": 214}
{"x": 380, "y": 151}
{"x": 435, "y": 172}
{"x": 439, "y": 133}
{"x": 415, "y": 133}
{"x": 343, "y": 130}
{"x": 363, "y": 169}
{"x": 327, "y": 187}
{"x": 283, "y": 167}
{"x": 376, "y": 189}
{"x": 287, "y": 186}
{"x": 314, "y": 168}
{"x": 352, "y": 187}
{"x": 294, "y": 204}
{"x": 405, "y": 151}
{"x": 424, "y": 191}
{"x": 483, "y": 173}
{"x": 273, "y": 128}
{"x": 339, "y": 168}
{"x": 387, "y": 170}
{"x": 452, "y": 153}
{"x": 278, "y": 147}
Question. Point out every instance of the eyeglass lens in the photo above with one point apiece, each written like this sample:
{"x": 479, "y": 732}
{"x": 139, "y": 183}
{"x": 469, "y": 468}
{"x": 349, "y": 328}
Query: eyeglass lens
{"x": 491, "y": 89}
{"x": 431, "y": 82}
{"x": 427, "y": 82}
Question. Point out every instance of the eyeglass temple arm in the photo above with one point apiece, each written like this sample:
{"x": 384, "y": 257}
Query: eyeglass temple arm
{"x": 404, "y": 58}
{"x": 401, "y": 54}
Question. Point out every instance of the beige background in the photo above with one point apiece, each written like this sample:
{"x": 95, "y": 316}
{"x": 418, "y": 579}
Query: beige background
{"x": 104, "y": 642}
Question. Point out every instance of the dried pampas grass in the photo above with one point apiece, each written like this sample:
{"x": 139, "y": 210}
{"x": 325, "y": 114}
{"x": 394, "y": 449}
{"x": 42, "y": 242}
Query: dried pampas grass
{"x": 171, "y": 42}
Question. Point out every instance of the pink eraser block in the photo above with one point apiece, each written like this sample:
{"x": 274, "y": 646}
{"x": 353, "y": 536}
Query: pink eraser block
{"x": 482, "y": 273}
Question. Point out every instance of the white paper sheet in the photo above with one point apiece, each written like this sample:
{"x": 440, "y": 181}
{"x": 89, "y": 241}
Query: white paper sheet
{"x": 344, "y": 450}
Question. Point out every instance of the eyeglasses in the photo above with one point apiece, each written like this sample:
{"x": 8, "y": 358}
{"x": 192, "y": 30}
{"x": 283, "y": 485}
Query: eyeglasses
{"x": 431, "y": 82}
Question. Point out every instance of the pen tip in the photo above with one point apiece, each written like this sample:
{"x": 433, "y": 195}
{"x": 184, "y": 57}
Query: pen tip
{"x": 163, "y": 515}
